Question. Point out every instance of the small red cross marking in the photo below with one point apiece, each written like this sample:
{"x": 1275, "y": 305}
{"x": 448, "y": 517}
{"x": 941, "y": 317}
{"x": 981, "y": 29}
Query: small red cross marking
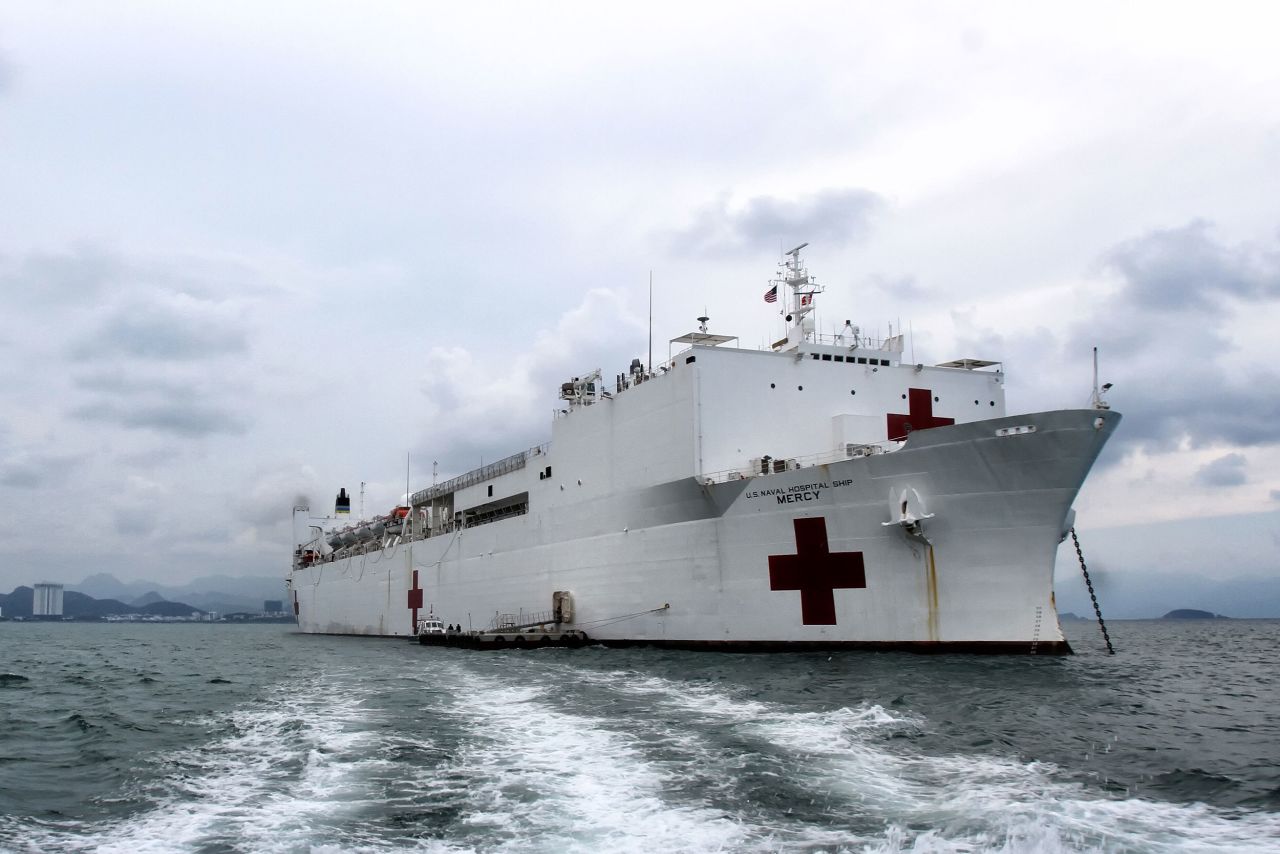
{"x": 415, "y": 600}
{"x": 816, "y": 572}
{"x": 920, "y": 415}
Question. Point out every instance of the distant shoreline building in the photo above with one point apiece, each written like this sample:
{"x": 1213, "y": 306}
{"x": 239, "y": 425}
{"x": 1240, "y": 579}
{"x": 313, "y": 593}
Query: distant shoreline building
{"x": 46, "y": 600}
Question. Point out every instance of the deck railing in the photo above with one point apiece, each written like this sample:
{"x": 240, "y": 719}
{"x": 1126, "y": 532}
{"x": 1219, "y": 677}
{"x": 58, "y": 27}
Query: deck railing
{"x": 780, "y": 464}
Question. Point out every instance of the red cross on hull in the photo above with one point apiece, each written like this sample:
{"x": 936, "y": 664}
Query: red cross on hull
{"x": 415, "y": 601}
{"x": 919, "y": 415}
{"x": 816, "y": 572}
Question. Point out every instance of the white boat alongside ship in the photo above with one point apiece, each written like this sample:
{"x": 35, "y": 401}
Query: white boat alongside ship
{"x": 820, "y": 493}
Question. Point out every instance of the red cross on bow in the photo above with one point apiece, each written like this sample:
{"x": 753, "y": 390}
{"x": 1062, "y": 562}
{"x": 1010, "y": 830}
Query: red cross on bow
{"x": 415, "y": 600}
{"x": 816, "y": 572}
{"x": 920, "y": 415}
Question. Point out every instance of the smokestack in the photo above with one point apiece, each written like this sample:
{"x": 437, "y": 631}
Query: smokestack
{"x": 342, "y": 506}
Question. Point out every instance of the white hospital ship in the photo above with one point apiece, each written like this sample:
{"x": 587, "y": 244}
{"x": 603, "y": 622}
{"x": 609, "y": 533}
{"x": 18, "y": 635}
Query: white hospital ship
{"x": 821, "y": 493}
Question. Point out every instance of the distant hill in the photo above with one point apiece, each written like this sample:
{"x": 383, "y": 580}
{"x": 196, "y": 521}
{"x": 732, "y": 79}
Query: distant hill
{"x": 221, "y": 593}
{"x": 169, "y": 609}
{"x": 79, "y": 606}
{"x": 147, "y": 598}
{"x": 1192, "y": 614}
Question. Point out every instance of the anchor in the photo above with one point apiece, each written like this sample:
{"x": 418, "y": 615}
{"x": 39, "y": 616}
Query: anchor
{"x": 909, "y": 508}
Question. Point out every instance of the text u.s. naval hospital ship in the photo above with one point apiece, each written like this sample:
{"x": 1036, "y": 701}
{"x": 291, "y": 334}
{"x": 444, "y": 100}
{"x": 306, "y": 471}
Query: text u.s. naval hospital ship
{"x": 820, "y": 493}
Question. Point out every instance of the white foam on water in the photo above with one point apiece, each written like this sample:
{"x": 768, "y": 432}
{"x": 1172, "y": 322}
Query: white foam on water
{"x": 950, "y": 803}
{"x": 245, "y": 789}
{"x": 538, "y": 777}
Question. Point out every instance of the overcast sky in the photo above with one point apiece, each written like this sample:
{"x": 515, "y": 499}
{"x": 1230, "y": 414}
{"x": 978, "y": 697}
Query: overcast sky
{"x": 250, "y": 253}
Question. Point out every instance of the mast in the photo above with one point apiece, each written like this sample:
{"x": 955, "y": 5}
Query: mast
{"x": 803, "y": 290}
{"x": 649, "y": 367}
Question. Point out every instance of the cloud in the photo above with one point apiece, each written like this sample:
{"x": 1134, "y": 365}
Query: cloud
{"x": 494, "y": 409}
{"x": 36, "y": 470}
{"x": 836, "y": 217}
{"x": 73, "y": 278}
{"x": 275, "y": 490}
{"x": 173, "y": 327}
{"x": 1185, "y": 268}
{"x": 134, "y": 521}
{"x": 1227, "y": 470}
{"x": 1164, "y": 331}
{"x": 902, "y": 287}
{"x": 184, "y": 418}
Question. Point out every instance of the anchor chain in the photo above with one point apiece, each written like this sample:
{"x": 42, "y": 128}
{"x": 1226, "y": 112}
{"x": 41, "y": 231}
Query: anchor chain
{"x": 1088, "y": 583}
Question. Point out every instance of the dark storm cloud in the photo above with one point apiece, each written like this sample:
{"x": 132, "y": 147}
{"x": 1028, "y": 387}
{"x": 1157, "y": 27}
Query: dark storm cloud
{"x": 1181, "y": 268}
{"x": 1163, "y": 333}
{"x": 834, "y": 217}
{"x": 187, "y": 419}
{"x": 163, "y": 332}
{"x": 1228, "y": 470}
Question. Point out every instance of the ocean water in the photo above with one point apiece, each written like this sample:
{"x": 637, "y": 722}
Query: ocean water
{"x": 139, "y": 738}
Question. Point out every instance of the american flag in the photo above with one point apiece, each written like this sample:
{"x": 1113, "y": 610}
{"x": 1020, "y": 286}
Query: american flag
{"x": 771, "y": 295}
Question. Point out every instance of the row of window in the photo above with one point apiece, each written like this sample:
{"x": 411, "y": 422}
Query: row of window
{"x": 860, "y": 360}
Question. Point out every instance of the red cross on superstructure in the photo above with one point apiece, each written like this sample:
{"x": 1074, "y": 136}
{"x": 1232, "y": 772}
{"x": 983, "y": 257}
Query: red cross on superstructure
{"x": 816, "y": 572}
{"x": 415, "y": 600}
{"x": 919, "y": 415}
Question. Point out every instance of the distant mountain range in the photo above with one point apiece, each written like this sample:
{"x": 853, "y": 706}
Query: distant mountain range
{"x": 78, "y": 605}
{"x": 226, "y": 594}
{"x": 103, "y": 594}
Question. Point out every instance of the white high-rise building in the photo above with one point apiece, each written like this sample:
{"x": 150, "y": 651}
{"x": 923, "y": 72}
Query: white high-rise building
{"x": 47, "y": 600}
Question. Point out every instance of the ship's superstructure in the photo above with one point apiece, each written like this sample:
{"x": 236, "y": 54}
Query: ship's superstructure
{"x": 821, "y": 492}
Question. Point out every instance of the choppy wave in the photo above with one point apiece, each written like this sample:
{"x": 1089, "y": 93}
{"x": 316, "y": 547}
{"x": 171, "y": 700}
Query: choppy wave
{"x": 391, "y": 747}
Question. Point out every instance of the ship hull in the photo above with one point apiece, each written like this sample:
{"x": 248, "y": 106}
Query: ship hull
{"x": 810, "y": 558}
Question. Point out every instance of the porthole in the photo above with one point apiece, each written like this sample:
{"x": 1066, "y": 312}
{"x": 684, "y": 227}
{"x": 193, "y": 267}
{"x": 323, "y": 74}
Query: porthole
{"x": 975, "y": 403}
{"x": 799, "y": 388}
{"x": 853, "y": 391}
{"x": 904, "y": 397}
{"x": 774, "y": 385}
{"x": 935, "y": 398}
{"x": 993, "y": 403}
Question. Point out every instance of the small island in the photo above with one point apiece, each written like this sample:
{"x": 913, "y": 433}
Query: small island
{"x": 1192, "y": 614}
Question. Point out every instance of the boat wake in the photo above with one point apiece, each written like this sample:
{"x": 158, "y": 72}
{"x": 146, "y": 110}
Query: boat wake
{"x": 530, "y": 752}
